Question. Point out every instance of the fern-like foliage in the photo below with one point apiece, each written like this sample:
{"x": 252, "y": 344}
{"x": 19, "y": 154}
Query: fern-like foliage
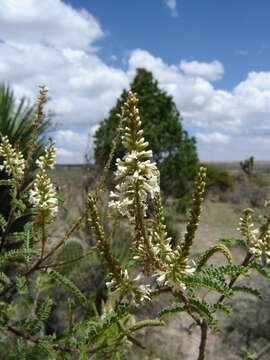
{"x": 172, "y": 309}
{"x": 234, "y": 242}
{"x": 16, "y": 254}
{"x": 248, "y": 290}
{"x": 210, "y": 252}
{"x": 68, "y": 284}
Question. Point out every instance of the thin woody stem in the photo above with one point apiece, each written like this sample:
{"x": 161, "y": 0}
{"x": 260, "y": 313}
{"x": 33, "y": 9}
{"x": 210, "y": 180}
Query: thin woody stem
{"x": 203, "y": 325}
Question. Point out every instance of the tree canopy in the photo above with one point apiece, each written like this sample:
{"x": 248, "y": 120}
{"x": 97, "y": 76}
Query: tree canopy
{"x": 173, "y": 149}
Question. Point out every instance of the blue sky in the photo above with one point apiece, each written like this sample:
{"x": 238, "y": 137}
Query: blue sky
{"x": 211, "y": 56}
{"x": 236, "y": 32}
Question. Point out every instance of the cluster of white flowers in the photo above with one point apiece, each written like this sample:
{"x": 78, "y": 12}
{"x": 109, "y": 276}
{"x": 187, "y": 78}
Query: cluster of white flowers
{"x": 258, "y": 240}
{"x": 260, "y": 246}
{"x": 137, "y": 172}
{"x": 48, "y": 159}
{"x": 14, "y": 163}
{"x": 164, "y": 279}
{"x": 43, "y": 195}
{"x": 128, "y": 291}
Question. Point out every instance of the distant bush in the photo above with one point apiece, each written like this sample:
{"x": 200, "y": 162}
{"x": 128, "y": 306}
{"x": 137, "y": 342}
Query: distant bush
{"x": 218, "y": 177}
{"x": 248, "y": 166}
{"x": 260, "y": 181}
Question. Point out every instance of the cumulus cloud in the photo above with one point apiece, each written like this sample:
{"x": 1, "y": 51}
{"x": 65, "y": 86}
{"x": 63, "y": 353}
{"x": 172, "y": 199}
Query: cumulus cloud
{"x": 172, "y": 6}
{"x": 52, "y": 43}
{"x": 215, "y": 137}
{"x": 209, "y": 71}
{"x": 243, "y": 110}
{"x": 49, "y": 22}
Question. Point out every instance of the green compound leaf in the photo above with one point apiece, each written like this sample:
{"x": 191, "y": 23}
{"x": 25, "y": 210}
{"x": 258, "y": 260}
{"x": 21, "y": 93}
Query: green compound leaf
{"x": 211, "y": 251}
{"x": 234, "y": 242}
{"x": 17, "y": 253}
{"x": 68, "y": 284}
{"x": 248, "y": 290}
{"x": 260, "y": 268}
{"x": 172, "y": 309}
{"x": 42, "y": 315}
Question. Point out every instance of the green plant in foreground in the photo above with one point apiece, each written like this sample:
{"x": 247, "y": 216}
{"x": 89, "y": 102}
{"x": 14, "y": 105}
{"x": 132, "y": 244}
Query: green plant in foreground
{"x": 154, "y": 267}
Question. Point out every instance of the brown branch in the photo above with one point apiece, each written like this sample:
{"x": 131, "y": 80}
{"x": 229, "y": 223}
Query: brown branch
{"x": 22, "y": 334}
{"x": 204, "y": 329}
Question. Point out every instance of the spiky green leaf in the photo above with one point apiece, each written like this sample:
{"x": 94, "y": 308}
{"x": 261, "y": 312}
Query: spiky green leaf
{"x": 68, "y": 284}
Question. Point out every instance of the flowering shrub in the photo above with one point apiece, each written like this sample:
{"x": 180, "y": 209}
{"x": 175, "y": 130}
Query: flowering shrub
{"x": 154, "y": 266}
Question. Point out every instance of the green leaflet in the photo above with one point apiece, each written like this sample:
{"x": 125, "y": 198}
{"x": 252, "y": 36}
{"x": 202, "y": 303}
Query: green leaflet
{"x": 210, "y": 252}
{"x": 17, "y": 253}
{"x": 172, "y": 309}
{"x": 28, "y": 239}
{"x": 223, "y": 307}
{"x": 234, "y": 242}
{"x": 4, "y": 278}
{"x": 3, "y": 222}
{"x": 219, "y": 272}
{"x": 204, "y": 279}
{"x": 69, "y": 252}
{"x": 97, "y": 329}
{"x": 260, "y": 268}
{"x": 47, "y": 347}
{"x": 42, "y": 315}
{"x": 68, "y": 284}
{"x": 146, "y": 323}
{"x": 205, "y": 311}
{"x": 7, "y": 182}
{"x": 18, "y": 205}
{"x": 21, "y": 284}
{"x": 248, "y": 290}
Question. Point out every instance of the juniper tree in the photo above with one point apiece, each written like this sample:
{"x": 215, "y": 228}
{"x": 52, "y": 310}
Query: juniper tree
{"x": 173, "y": 149}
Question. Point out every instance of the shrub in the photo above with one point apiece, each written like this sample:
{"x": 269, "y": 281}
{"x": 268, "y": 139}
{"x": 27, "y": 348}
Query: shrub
{"x": 153, "y": 268}
{"x": 218, "y": 177}
{"x": 259, "y": 181}
{"x": 248, "y": 166}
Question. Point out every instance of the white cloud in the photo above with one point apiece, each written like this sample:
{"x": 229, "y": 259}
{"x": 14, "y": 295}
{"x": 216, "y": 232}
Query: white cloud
{"x": 71, "y": 138}
{"x": 172, "y": 6}
{"x": 64, "y": 156}
{"x": 209, "y": 71}
{"x": 243, "y": 110}
{"x": 50, "y": 22}
{"x": 71, "y": 146}
{"x": 215, "y": 137}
